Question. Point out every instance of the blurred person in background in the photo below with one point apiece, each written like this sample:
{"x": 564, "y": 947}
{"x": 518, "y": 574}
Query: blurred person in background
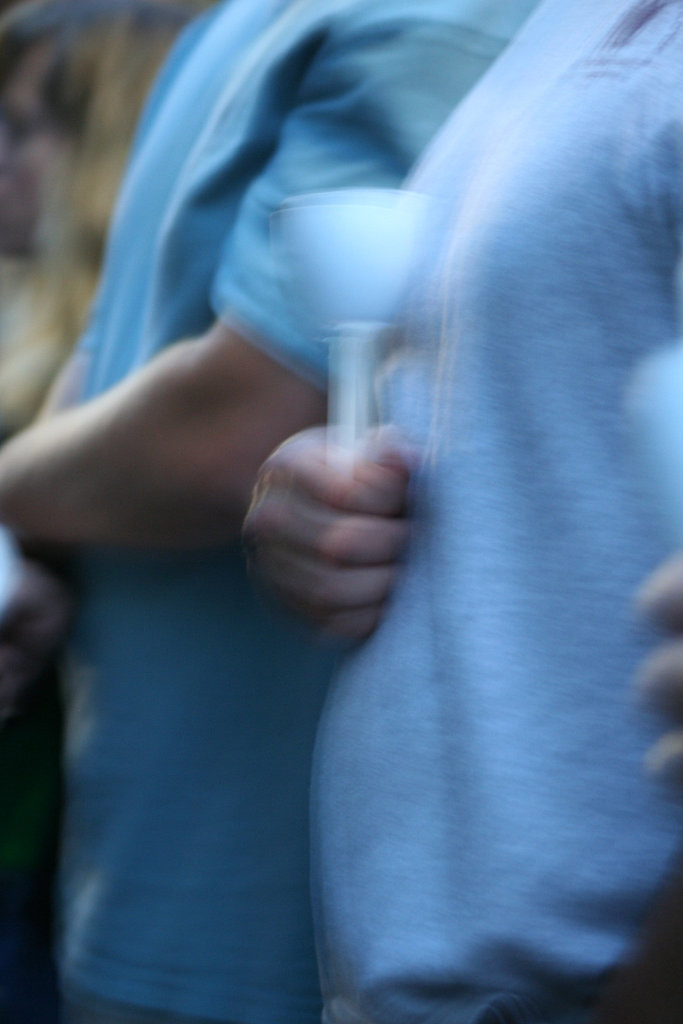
{"x": 487, "y": 846}
{"x": 191, "y": 706}
{"x": 73, "y": 76}
{"x": 72, "y": 79}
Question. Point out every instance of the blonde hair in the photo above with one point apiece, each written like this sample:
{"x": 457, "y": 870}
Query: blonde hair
{"x": 106, "y": 53}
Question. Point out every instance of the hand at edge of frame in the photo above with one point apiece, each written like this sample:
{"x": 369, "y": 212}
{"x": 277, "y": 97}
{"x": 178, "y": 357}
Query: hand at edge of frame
{"x": 33, "y": 627}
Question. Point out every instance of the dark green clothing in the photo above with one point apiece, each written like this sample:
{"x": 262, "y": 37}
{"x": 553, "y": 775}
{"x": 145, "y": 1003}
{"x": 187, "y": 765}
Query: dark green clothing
{"x": 30, "y": 782}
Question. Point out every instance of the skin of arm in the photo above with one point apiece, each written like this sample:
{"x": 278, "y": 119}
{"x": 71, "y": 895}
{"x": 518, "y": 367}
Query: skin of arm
{"x": 167, "y": 458}
{"x": 328, "y": 543}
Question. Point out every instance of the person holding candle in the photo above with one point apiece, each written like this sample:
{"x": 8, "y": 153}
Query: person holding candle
{"x": 192, "y": 706}
{"x": 486, "y": 844}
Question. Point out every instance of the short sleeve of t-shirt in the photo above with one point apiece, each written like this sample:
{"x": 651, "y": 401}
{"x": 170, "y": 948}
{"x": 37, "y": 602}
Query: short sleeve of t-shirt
{"x": 375, "y": 93}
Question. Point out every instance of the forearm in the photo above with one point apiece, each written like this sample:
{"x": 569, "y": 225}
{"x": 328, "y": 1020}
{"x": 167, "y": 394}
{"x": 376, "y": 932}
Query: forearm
{"x": 167, "y": 458}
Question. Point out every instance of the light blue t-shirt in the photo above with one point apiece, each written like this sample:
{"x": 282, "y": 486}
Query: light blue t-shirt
{"x": 487, "y": 841}
{"x": 192, "y": 708}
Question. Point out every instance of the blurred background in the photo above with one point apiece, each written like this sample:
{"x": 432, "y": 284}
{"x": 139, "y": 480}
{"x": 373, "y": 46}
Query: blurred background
{"x": 73, "y": 77}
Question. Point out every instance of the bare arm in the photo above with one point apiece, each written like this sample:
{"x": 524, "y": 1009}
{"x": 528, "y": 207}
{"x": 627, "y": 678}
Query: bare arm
{"x": 166, "y": 458}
